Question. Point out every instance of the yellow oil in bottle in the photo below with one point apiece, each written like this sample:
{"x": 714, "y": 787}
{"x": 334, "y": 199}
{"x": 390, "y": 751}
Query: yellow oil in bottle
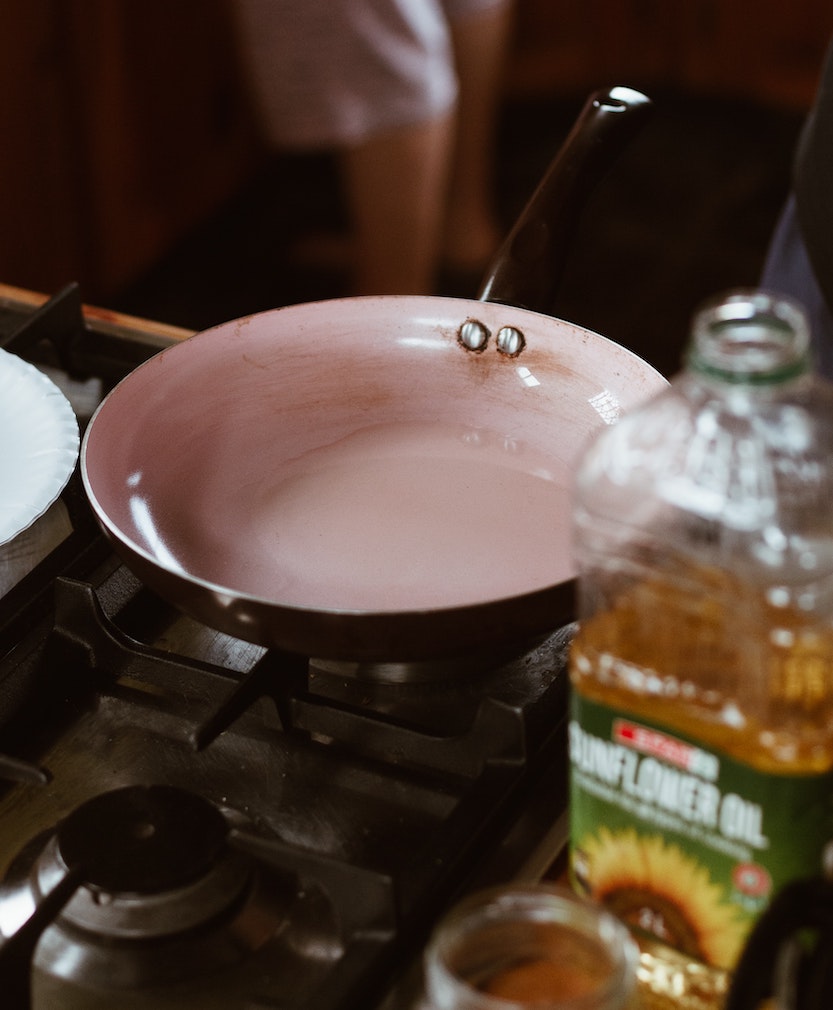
{"x": 705, "y": 658}
{"x": 712, "y": 656}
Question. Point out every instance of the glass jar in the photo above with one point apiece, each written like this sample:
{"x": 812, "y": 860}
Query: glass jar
{"x": 514, "y": 948}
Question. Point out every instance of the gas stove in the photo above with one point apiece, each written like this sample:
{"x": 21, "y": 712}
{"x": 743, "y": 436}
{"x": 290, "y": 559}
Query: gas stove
{"x": 191, "y": 820}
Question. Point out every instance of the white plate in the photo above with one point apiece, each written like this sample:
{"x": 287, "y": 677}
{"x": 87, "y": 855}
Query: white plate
{"x": 38, "y": 444}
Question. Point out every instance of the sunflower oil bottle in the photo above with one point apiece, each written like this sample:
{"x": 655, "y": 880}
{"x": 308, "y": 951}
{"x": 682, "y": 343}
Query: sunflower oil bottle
{"x": 701, "y": 729}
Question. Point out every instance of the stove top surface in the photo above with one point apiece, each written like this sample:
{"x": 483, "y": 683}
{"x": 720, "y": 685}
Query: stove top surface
{"x": 222, "y": 825}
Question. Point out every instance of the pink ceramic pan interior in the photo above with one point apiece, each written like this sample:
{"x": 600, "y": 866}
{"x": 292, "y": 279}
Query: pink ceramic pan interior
{"x": 352, "y": 457}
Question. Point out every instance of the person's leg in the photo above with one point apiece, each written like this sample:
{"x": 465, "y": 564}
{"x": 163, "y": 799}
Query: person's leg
{"x": 396, "y": 184}
{"x": 374, "y": 82}
{"x": 480, "y": 38}
{"x": 425, "y": 193}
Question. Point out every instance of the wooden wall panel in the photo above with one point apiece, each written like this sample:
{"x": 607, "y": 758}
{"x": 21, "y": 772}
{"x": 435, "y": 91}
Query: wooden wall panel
{"x": 763, "y": 50}
{"x": 39, "y": 216}
{"x": 123, "y": 124}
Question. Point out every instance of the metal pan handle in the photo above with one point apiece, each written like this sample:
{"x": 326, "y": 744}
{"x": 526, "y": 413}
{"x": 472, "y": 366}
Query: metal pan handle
{"x": 528, "y": 266}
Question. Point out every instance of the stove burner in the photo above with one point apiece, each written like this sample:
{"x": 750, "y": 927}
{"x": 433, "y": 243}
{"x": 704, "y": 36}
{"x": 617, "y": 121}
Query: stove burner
{"x": 143, "y": 839}
{"x": 154, "y": 862}
{"x": 165, "y": 901}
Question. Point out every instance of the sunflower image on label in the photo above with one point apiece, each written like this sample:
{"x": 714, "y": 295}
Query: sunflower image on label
{"x": 685, "y": 844}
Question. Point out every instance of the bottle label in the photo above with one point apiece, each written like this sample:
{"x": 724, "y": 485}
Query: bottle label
{"x": 684, "y": 843}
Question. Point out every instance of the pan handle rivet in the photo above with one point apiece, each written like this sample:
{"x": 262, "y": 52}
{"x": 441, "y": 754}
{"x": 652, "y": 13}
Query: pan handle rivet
{"x": 510, "y": 341}
{"x": 473, "y": 335}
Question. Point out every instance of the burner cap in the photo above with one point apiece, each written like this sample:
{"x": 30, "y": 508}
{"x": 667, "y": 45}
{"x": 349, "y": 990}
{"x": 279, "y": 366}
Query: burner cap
{"x": 143, "y": 839}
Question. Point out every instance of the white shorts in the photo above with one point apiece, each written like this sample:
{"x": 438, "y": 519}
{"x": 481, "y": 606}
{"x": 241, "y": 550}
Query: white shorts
{"x": 327, "y": 73}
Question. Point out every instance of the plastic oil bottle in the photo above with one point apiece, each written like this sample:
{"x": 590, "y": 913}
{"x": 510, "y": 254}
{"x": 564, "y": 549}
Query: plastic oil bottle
{"x": 701, "y": 729}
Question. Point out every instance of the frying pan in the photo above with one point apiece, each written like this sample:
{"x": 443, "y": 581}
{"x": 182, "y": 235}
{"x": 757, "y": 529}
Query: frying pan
{"x": 376, "y": 479}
